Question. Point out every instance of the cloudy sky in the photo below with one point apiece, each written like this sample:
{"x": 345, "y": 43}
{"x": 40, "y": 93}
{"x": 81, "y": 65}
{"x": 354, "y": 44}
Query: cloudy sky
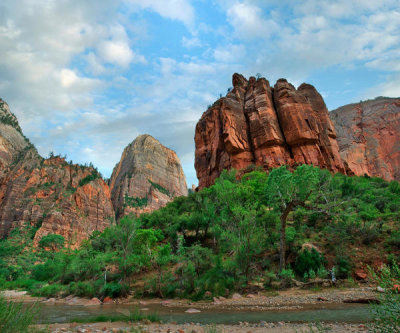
{"x": 86, "y": 77}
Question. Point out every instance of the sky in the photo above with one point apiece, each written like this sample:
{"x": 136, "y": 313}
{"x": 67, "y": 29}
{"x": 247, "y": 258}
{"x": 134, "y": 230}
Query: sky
{"x": 86, "y": 77}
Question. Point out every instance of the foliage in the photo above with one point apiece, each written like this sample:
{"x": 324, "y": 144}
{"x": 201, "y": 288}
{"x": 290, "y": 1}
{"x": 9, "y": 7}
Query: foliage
{"x": 159, "y": 188}
{"x": 135, "y": 201}
{"x": 216, "y": 241}
{"x": 52, "y": 241}
{"x": 93, "y": 176}
{"x": 343, "y": 266}
{"x": 386, "y": 315}
{"x": 309, "y": 260}
{"x": 16, "y": 317}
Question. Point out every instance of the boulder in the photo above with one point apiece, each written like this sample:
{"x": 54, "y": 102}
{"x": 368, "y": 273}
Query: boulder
{"x": 93, "y": 301}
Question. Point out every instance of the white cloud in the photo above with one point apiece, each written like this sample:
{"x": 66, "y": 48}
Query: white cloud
{"x": 116, "y": 52}
{"x": 68, "y": 78}
{"x": 180, "y": 10}
{"x": 390, "y": 88}
{"x": 191, "y": 42}
{"x": 229, "y": 53}
{"x": 248, "y": 21}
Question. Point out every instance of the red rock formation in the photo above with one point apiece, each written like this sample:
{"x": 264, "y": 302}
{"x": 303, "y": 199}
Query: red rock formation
{"x": 257, "y": 125}
{"x": 369, "y": 137}
{"x": 147, "y": 177}
{"x": 48, "y": 194}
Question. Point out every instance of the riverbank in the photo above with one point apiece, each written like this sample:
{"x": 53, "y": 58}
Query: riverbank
{"x": 262, "y": 327}
{"x": 280, "y": 311}
{"x": 285, "y": 299}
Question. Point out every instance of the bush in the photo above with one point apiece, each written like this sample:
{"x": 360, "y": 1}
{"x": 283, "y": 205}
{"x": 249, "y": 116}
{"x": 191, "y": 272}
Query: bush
{"x": 45, "y": 272}
{"x": 343, "y": 267}
{"x": 114, "y": 289}
{"x": 308, "y": 260}
{"x": 286, "y": 276}
{"x": 394, "y": 240}
{"x": 93, "y": 176}
{"x": 269, "y": 277}
{"x": 386, "y": 315}
{"x": 82, "y": 289}
{"x": 51, "y": 290}
{"x": 52, "y": 241}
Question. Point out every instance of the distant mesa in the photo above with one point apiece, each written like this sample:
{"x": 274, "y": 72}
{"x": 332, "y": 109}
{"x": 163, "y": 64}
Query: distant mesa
{"x": 259, "y": 125}
{"x": 148, "y": 176}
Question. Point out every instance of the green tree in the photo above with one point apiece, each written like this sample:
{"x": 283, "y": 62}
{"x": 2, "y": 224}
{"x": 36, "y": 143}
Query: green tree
{"x": 52, "y": 241}
{"x": 285, "y": 192}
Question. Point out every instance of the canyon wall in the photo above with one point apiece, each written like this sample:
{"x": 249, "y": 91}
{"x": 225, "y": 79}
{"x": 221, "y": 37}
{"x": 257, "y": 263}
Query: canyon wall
{"x": 369, "y": 137}
{"x": 50, "y": 195}
{"x": 258, "y": 125}
{"x": 147, "y": 177}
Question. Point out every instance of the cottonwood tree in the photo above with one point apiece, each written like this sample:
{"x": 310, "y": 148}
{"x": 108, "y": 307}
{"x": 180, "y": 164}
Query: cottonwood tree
{"x": 286, "y": 191}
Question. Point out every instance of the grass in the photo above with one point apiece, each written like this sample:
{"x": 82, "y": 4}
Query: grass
{"x": 212, "y": 329}
{"x": 134, "y": 316}
{"x": 17, "y": 317}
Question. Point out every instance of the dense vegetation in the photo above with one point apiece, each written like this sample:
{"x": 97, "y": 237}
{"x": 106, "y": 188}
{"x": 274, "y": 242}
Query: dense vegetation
{"x": 257, "y": 232}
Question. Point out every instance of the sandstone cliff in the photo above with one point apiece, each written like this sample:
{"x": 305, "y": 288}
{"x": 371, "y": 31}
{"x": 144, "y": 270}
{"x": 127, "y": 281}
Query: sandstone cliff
{"x": 369, "y": 137}
{"x": 263, "y": 126}
{"x": 50, "y": 195}
{"x": 147, "y": 177}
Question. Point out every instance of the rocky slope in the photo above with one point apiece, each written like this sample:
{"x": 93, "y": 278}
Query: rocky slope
{"x": 147, "y": 177}
{"x": 369, "y": 137}
{"x": 263, "y": 126}
{"x": 48, "y": 194}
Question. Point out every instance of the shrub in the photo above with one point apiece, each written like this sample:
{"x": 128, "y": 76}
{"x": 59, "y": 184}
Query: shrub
{"x": 94, "y": 175}
{"x": 50, "y": 290}
{"x": 269, "y": 277}
{"x": 342, "y": 266}
{"x": 159, "y": 188}
{"x": 386, "y": 315}
{"x": 114, "y": 289}
{"x": 82, "y": 289}
{"x": 45, "y": 272}
{"x": 394, "y": 240}
{"x": 368, "y": 234}
{"x": 52, "y": 241}
{"x": 286, "y": 276}
{"x": 308, "y": 260}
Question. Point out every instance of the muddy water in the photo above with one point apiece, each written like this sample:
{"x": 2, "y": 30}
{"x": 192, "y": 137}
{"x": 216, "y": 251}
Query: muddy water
{"x": 348, "y": 313}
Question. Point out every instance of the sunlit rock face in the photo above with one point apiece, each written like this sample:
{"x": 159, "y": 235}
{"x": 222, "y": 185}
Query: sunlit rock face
{"x": 369, "y": 137}
{"x": 147, "y": 177}
{"x": 50, "y": 195}
{"x": 255, "y": 124}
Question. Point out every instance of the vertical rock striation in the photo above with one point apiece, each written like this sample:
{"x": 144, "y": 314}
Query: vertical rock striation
{"x": 369, "y": 137}
{"x": 147, "y": 177}
{"x": 50, "y": 195}
{"x": 263, "y": 126}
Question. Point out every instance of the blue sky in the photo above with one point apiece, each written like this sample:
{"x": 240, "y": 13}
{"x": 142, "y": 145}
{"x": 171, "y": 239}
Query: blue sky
{"x": 86, "y": 77}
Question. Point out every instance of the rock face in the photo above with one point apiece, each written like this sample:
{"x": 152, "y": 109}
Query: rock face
{"x": 50, "y": 195}
{"x": 147, "y": 177}
{"x": 263, "y": 126}
{"x": 369, "y": 137}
